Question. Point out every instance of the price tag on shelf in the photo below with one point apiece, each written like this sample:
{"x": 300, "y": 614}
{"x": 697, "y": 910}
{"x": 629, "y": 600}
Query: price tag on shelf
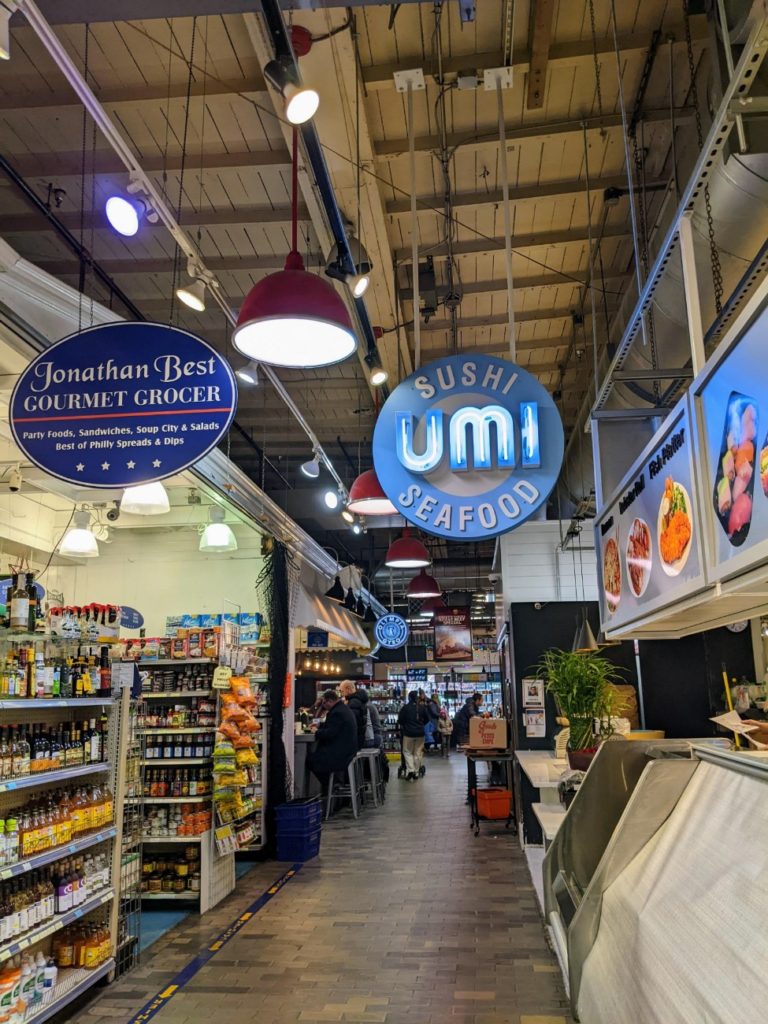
{"x": 221, "y": 677}
{"x": 226, "y": 841}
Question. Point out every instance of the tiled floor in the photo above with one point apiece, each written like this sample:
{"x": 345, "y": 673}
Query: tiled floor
{"x": 405, "y": 918}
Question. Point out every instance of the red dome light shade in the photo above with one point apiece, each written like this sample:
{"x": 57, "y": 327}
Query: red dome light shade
{"x": 366, "y": 497}
{"x": 294, "y": 318}
{"x": 407, "y": 552}
{"x": 424, "y": 585}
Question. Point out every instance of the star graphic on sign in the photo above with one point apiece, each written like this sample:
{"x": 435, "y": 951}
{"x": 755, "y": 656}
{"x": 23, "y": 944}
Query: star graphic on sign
{"x": 79, "y": 467}
{"x": 105, "y": 466}
{"x": 131, "y": 464}
{"x": 156, "y": 463}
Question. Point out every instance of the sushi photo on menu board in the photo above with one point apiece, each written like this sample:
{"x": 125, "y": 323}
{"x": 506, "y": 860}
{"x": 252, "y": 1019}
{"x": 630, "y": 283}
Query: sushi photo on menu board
{"x": 735, "y": 478}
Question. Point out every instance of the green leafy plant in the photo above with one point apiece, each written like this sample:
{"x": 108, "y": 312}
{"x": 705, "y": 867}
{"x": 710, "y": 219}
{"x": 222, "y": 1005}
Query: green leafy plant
{"x": 581, "y": 686}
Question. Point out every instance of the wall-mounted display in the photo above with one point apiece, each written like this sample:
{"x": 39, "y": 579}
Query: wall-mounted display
{"x": 649, "y": 534}
{"x": 731, "y": 406}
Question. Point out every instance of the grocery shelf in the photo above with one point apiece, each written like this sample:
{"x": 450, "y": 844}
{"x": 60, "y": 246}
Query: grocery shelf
{"x": 61, "y": 775}
{"x": 20, "y": 703}
{"x": 54, "y": 925}
{"x": 174, "y": 839}
{"x": 162, "y": 731}
{"x": 172, "y": 661}
{"x": 169, "y": 800}
{"x": 158, "y": 762}
{"x": 57, "y": 852}
{"x": 72, "y": 982}
{"x": 185, "y": 896}
{"x": 176, "y": 693}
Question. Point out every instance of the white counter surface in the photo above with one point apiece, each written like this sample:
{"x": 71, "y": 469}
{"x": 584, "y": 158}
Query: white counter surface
{"x": 542, "y": 767}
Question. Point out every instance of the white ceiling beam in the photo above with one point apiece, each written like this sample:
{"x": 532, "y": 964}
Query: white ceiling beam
{"x": 497, "y": 245}
{"x": 576, "y": 278}
{"x": 524, "y": 193}
{"x": 391, "y": 149}
{"x": 564, "y": 55}
{"x": 30, "y": 222}
{"x": 527, "y": 316}
{"x": 120, "y": 95}
{"x": 66, "y": 165}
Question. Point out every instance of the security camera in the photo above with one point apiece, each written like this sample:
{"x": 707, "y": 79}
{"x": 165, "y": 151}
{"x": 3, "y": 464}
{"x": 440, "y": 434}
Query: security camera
{"x": 493, "y": 577}
{"x": 14, "y": 480}
{"x": 113, "y": 514}
{"x": 537, "y": 605}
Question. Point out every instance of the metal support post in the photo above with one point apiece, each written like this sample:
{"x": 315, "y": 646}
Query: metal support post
{"x": 692, "y": 300}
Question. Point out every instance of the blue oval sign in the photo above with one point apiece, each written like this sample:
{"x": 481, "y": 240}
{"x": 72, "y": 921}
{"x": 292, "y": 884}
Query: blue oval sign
{"x": 468, "y": 446}
{"x": 122, "y": 404}
{"x": 130, "y": 618}
{"x": 391, "y": 631}
{"x": 5, "y": 586}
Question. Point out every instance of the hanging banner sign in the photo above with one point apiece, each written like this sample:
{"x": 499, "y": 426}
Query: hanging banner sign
{"x": 468, "y": 447}
{"x": 391, "y": 631}
{"x": 130, "y": 618}
{"x": 453, "y": 635}
{"x": 122, "y": 404}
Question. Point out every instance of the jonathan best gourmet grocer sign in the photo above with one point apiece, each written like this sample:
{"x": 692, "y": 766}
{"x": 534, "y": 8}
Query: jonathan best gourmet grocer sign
{"x": 122, "y": 404}
{"x": 468, "y": 446}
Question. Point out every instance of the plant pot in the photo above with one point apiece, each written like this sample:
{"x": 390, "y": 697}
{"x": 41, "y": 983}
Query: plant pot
{"x": 580, "y": 760}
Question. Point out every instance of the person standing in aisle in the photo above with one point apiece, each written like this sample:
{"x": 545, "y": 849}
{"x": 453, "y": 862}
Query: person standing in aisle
{"x": 336, "y": 739}
{"x": 357, "y": 702}
{"x": 470, "y": 709}
{"x": 444, "y": 728}
{"x": 431, "y": 732}
{"x": 411, "y": 720}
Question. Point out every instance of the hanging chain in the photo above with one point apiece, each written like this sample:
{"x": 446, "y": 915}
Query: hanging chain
{"x": 82, "y": 189}
{"x": 714, "y": 255}
{"x": 177, "y": 251}
{"x": 638, "y": 156}
{"x": 598, "y": 88}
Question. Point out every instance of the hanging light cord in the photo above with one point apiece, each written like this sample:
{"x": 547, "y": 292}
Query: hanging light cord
{"x": 177, "y": 250}
{"x": 591, "y": 264}
{"x": 628, "y": 162}
{"x": 414, "y": 234}
{"x": 295, "y": 191}
{"x": 507, "y": 219}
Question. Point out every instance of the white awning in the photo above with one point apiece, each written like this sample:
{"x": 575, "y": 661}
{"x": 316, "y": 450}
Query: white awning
{"x": 315, "y": 612}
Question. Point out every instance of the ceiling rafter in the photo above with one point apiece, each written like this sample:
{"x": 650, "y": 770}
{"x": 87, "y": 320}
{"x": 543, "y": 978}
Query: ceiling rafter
{"x": 61, "y": 98}
{"x": 22, "y": 223}
{"x": 496, "y": 245}
{"x": 391, "y": 149}
{"x": 570, "y": 54}
{"x": 61, "y": 165}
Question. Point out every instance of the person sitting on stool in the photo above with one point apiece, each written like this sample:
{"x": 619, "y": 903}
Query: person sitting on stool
{"x": 336, "y": 739}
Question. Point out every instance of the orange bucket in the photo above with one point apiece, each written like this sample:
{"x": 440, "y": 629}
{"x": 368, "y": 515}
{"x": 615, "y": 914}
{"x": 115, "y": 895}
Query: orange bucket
{"x": 494, "y": 803}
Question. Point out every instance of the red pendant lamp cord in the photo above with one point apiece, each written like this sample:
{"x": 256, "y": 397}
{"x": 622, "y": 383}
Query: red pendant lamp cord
{"x": 294, "y": 260}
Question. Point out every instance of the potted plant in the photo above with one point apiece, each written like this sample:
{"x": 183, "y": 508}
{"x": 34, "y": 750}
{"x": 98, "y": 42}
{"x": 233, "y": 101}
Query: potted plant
{"x": 581, "y": 686}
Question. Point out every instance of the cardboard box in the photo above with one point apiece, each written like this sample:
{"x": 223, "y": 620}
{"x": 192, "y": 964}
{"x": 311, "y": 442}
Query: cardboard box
{"x": 488, "y": 733}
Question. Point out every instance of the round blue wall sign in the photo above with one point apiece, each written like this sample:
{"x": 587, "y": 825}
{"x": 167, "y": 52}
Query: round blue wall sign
{"x": 391, "y": 631}
{"x": 468, "y": 447}
{"x": 131, "y": 618}
{"x": 122, "y": 404}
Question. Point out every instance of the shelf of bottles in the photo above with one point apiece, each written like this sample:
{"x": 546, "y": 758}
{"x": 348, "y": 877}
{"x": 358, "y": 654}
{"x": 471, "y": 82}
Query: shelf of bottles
{"x": 176, "y": 724}
{"x": 59, "y": 774}
{"x": 128, "y": 943}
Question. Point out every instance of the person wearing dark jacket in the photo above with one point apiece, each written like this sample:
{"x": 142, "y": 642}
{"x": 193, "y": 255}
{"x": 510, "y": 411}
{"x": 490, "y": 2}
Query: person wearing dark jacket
{"x": 336, "y": 739}
{"x": 411, "y": 721}
{"x": 461, "y": 719}
{"x": 357, "y": 702}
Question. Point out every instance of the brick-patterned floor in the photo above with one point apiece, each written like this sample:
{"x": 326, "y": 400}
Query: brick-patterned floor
{"x": 405, "y": 918}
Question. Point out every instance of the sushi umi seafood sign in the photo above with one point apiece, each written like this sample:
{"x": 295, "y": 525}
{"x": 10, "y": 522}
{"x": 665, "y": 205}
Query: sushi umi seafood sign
{"x": 648, "y": 535}
{"x": 468, "y": 447}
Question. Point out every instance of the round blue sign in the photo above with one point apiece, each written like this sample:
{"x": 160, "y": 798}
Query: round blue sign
{"x": 468, "y": 447}
{"x": 130, "y": 618}
{"x": 391, "y": 631}
{"x": 5, "y": 586}
{"x": 122, "y": 404}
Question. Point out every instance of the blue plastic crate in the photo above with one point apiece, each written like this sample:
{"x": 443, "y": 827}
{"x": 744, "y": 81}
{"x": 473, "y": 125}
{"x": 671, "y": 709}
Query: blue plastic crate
{"x": 299, "y": 816}
{"x": 298, "y": 848}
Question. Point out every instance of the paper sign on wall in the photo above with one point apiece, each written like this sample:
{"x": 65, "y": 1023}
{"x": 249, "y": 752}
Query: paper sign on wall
{"x": 535, "y": 724}
{"x": 533, "y": 693}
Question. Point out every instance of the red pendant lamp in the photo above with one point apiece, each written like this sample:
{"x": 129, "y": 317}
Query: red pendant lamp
{"x": 294, "y": 318}
{"x": 367, "y": 498}
{"x": 423, "y": 585}
{"x": 407, "y": 552}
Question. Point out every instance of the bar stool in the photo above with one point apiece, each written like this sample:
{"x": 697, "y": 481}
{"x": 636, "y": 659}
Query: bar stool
{"x": 373, "y": 783}
{"x": 339, "y": 789}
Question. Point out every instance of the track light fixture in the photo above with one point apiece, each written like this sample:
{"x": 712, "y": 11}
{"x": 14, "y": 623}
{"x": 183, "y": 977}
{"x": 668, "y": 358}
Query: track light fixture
{"x": 312, "y": 467}
{"x": 248, "y": 374}
{"x": 347, "y": 516}
{"x": 356, "y": 275}
{"x": 301, "y": 102}
{"x": 331, "y": 500}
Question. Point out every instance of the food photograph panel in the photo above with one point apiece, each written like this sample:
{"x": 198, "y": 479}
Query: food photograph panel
{"x": 649, "y": 535}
